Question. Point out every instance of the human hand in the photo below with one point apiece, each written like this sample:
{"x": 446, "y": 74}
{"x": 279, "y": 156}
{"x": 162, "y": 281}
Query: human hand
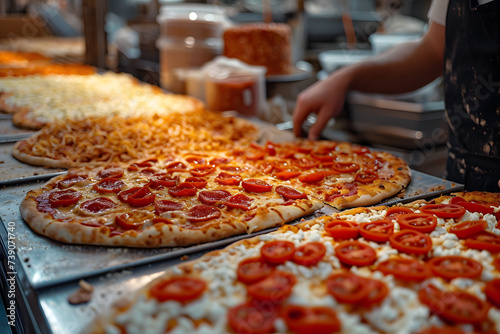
{"x": 325, "y": 98}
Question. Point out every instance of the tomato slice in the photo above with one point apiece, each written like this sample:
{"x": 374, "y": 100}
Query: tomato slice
{"x": 286, "y": 175}
{"x": 228, "y": 179}
{"x": 346, "y": 287}
{"x": 421, "y": 222}
{"x": 378, "y": 290}
{"x": 444, "y": 210}
{"x": 355, "y": 253}
{"x": 484, "y": 241}
{"x": 312, "y": 177}
{"x": 253, "y": 269}
{"x": 457, "y": 307}
{"x": 341, "y": 229}
{"x": 365, "y": 177}
{"x": 468, "y": 228}
{"x": 251, "y": 318}
{"x": 378, "y": 230}
{"x": 290, "y": 193}
{"x": 309, "y": 254}
{"x": 312, "y": 319}
{"x": 323, "y": 157}
{"x": 477, "y": 207}
{"x": 276, "y": 287}
{"x": 449, "y": 267}
{"x": 133, "y": 220}
{"x": 278, "y": 251}
{"x": 456, "y": 200}
{"x": 345, "y": 167}
{"x": 65, "y": 197}
{"x": 492, "y": 291}
{"x": 256, "y": 186}
{"x": 109, "y": 185}
{"x": 183, "y": 189}
{"x": 406, "y": 269}
{"x": 411, "y": 242}
{"x": 392, "y": 212}
{"x": 182, "y": 289}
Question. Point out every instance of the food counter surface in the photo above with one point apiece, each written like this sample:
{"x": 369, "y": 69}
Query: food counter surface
{"x": 47, "y": 272}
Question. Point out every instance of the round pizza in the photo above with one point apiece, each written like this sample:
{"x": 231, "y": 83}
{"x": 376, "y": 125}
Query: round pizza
{"x": 420, "y": 268}
{"x": 190, "y": 197}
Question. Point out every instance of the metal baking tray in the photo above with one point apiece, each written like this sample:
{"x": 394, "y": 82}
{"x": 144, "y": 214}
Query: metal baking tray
{"x": 45, "y": 262}
{"x": 12, "y": 171}
{"x": 9, "y": 133}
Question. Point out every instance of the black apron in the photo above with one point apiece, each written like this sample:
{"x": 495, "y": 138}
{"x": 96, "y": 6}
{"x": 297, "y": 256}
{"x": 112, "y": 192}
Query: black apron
{"x": 472, "y": 93}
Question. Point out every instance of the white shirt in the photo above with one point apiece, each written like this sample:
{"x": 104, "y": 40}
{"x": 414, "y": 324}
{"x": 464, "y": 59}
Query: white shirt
{"x": 439, "y": 8}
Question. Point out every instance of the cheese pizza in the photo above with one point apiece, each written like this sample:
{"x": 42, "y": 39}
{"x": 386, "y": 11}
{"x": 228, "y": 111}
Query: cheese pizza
{"x": 412, "y": 269}
{"x": 40, "y": 99}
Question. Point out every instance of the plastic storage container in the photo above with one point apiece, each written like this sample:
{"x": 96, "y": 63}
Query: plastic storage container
{"x": 190, "y": 36}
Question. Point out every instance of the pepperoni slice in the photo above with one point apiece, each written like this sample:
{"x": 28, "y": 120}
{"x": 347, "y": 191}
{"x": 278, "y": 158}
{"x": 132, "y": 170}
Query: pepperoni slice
{"x": 138, "y": 196}
{"x": 202, "y": 170}
{"x": 109, "y": 185}
{"x": 133, "y": 220}
{"x": 98, "y": 205}
{"x": 202, "y": 212}
{"x": 312, "y": 177}
{"x": 256, "y": 186}
{"x": 111, "y": 171}
{"x": 159, "y": 181}
{"x": 452, "y": 266}
{"x": 148, "y": 171}
{"x": 211, "y": 197}
{"x": 421, "y": 222}
{"x": 286, "y": 175}
{"x": 290, "y": 193}
{"x": 323, "y": 157}
{"x": 196, "y": 161}
{"x": 184, "y": 189}
{"x": 239, "y": 201}
{"x": 64, "y": 197}
{"x": 145, "y": 163}
{"x": 355, "y": 253}
{"x": 166, "y": 205}
{"x": 228, "y": 179}
{"x": 220, "y": 161}
{"x": 198, "y": 182}
{"x": 176, "y": 166}
{"x": 70, "y": 181}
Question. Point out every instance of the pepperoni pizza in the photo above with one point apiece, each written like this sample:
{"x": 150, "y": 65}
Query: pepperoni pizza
{"x": 426, "y": 267}
{"x": 185, "y": 198}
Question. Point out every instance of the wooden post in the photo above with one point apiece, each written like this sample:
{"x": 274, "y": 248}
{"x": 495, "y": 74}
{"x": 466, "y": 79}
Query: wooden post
{"x": 94, "y": 15}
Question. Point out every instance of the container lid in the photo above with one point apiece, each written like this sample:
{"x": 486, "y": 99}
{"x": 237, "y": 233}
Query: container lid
{"x": 190, "y": 42}
{"x": 192, "y": 12}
